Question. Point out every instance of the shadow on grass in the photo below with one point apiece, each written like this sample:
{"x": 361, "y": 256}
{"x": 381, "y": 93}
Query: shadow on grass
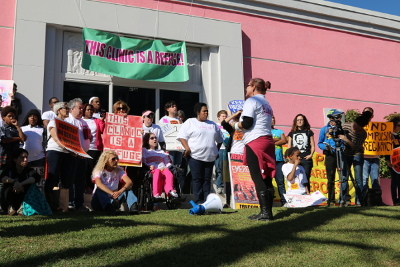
{"x": 213, "y": 251}
{"x": 65, "y": 223}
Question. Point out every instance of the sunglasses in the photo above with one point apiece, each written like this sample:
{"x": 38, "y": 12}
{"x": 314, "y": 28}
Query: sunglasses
{"x": 153, "y": 137}
{"x": 66, "y": 108}
{"x": 115, "y": 158}
{"x": 121, "y": 108}
{"x": 149, "y": 116}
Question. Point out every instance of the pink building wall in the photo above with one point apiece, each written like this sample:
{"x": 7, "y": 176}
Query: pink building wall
{"x": 7, "y": 18}
{"x": 310, "y": 68}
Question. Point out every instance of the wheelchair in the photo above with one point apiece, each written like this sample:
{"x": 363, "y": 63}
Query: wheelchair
{"x": 146, "y": 200}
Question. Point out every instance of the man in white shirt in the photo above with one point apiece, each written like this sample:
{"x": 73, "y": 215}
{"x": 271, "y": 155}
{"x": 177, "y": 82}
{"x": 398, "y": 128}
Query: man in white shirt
{"x": 95, "y": 102}
{"x": 171, "y": 111}
{"x": 78, "y": 168}
{"x": 49, "y": 115}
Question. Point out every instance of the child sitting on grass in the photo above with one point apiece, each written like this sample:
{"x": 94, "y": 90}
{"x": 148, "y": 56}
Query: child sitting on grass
{"x": 294, "y": 173}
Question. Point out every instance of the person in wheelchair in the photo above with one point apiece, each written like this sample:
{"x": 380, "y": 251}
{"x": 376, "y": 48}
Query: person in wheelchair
{"x": 158, "y": 162}
{"x": 107, "y": 177}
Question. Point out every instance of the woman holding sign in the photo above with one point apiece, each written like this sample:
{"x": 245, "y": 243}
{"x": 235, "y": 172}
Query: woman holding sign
{"x": 395, "y": 183}
{"x": 259, "y": 151}
{"x": 58, "y": 158}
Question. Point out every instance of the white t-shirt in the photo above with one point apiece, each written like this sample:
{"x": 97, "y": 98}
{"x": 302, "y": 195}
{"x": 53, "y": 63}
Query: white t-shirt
{"x": 167, "y": 119}
{"x": 81, "y": 124}
{"x": 155, "y": 129}
{"x": 96, "y": 115}
{"x": 93, "y": 129}
{"x": 202, "y": 138}
{"x": 51, "y": 144}
{"x": 109, "y": 179}
{"x": 48, "y": 115}
{"x": 296, "y": 186}
{"x": 157, "y": 158}
{"x": 258, "y": 108}
{"x": 34, "y": 142}
{"x": 237, "y": 143}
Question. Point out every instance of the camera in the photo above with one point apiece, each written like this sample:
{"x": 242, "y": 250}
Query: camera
{"x": 337, "y": 129}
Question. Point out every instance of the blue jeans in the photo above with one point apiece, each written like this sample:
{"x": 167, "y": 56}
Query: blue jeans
{"x": 371, "y": 168}
{"x": 201, "y": 178}
{"x": 280, "y": 181}
{"x": 218, "y": 169}
{"x": 100, "y": 199}
{"x": 59, "y": 168}
{"x": 357, "y": 162}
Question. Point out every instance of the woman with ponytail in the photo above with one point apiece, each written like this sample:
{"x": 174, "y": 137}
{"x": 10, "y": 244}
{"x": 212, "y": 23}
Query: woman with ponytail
{"x": 259, "y": 151}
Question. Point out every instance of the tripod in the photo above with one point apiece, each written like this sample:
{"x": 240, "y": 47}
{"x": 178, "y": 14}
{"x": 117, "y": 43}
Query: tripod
{"x": 339, "y": 167}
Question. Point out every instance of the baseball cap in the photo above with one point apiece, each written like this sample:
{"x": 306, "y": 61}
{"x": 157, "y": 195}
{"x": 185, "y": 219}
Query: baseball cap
{"x": 333, "y": 113}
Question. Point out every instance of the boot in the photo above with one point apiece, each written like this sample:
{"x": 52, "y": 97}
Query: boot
{"x": 265, "y": 198}
{"x": 64, "y": 198}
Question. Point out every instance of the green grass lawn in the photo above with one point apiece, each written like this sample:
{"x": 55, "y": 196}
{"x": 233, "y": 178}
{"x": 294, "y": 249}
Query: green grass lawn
{"x": 320, "y": 236}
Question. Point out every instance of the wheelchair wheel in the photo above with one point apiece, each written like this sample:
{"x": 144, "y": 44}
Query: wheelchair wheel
{"x": 173, "y": 204}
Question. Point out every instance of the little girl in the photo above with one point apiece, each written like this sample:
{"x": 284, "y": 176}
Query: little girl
{"x": 158, "y": 162}
{"x": 294, "y": 173}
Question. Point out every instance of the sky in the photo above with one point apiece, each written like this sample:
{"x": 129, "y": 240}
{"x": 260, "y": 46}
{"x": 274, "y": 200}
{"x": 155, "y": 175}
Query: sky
{"x": 385, "y": 6}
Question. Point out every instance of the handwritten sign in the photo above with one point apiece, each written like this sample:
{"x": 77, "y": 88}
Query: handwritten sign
{"x": 299, "y": 201}
{"x": 235, "y": 105}
{"x": 123, "y": 134}
{"x": 6, "y": 89}
{"x": 170, "y": 132}
{"x": 379, "y": 138}
{"x": 395, "y": 160}
{"x": 68, "y": 135}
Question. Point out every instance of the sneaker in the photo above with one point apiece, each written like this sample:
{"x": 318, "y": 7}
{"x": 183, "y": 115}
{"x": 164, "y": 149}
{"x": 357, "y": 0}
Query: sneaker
{"x": 109, "y": 208}
{"x": 220, "y": 190}
{"x": 157, "y": 196}
{"x": 134, "y": 210}
{"x": 13, "y": 213}
{"x": 173, "y": 193}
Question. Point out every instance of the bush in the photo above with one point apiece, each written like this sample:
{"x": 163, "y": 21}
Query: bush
{"x": 351, "y": 115}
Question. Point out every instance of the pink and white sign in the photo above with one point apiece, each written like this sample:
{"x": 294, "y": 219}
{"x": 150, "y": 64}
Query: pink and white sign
{"x": 6, "y": 89}
{"x": 123, "y": 134}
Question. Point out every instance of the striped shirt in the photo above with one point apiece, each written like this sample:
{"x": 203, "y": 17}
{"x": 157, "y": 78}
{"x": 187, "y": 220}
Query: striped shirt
{"x": 357, "y": 139}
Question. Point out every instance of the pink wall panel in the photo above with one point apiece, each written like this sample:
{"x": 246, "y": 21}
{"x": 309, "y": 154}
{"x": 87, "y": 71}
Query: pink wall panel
{"x": 5, "y": 73}
{"x": 287, "y": 41}
{"x": 7, "y": 13}
{"x": 323, "y": 82}
{"x": 6, "y": 46}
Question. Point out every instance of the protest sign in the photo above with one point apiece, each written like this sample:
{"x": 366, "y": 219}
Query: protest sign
{"x": 235, "y": 105}
{"x": 395, "y": 160}
{"x": 148, "y": 60}
{"x": 243, "y": 188}
{"x": 68, "y": 135}
{"x": 123, "y": 134}
{"x": 6, "y": 88}
{"x": 379, "y": 138}
{"x": 300, "y": 201}
{"x": 170, "y": 132}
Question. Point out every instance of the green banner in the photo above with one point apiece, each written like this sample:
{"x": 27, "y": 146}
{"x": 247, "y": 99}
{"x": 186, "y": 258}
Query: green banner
{"x": 148, "y": 60}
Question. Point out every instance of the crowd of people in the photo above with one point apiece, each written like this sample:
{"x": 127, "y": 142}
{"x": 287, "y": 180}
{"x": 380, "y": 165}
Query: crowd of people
{"x": 249, "y": 132}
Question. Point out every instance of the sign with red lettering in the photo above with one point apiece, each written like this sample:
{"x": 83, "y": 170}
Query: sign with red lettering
{"x": 395, "y": 160}
{"x": 68, "y": 135}
{"x": 123, "y": 134}
{"x": 243, "y": 188}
